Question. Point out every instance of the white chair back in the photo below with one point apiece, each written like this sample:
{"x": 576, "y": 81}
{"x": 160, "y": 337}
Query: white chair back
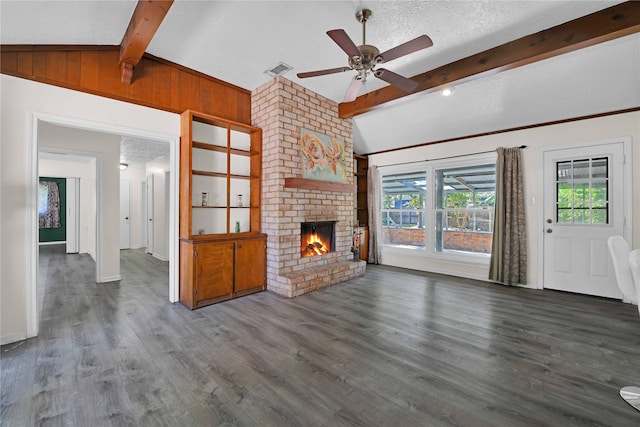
{"x": 620, "y": 256}
{"x": 634, "y": 263}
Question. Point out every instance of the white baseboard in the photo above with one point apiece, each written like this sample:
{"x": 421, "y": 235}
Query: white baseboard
{"x": 160, "y": 257}
{"x": 110, "y": 279}
{"x": 11, "y": 338}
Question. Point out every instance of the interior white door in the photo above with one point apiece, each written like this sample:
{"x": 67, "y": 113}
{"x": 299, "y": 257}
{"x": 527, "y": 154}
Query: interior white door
{"x": 125, "y": 223}
{"x": 143, "y": 209}
{"x": 150, "y": 214}
{"x": 583, "y": 206}
{"x": 73, "y": 215}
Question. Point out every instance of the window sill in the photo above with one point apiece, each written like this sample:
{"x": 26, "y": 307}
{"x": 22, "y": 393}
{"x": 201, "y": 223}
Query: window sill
{"x": 469, "y": 259}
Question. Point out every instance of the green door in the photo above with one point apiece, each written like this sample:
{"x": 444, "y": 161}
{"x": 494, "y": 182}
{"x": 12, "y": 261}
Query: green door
{"x": 52, "y": 209}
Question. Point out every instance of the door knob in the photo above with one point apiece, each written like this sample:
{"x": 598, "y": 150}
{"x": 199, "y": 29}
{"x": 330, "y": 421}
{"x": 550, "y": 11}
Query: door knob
{"x": 549, "y": 230}
{"x": 126, "y": 217}
{"x": 549, "y": 221}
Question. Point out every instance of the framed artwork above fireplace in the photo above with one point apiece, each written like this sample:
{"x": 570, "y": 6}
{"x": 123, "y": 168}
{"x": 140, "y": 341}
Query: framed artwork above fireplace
{"x": 323, "y": 157}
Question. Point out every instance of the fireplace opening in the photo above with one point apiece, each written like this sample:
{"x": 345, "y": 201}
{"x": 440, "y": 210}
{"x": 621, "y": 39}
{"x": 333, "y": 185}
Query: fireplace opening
{"x": 317, "y": 238}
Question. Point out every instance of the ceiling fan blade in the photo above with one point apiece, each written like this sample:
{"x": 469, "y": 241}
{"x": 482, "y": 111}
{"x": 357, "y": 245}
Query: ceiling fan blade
{"x": 322, "y": 72}
{"x": 411, "y": 46}
{"x": 345, "y": 43}
{"x": 397, "y": 80}
{"x": 353, "y": 90}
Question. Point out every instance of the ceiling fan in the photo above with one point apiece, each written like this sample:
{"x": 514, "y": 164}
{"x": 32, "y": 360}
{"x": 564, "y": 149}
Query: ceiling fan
{"x": 364, "y": 59}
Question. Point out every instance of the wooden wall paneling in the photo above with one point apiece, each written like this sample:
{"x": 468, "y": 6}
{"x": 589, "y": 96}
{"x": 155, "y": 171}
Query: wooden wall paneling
{"x": 109, "y": 73}
{"x": 39, "y": 65}
{"x": 25, "y": 63}
{"x": 89, "y": 70}
{"x": 74, "y": 68}
{"x": 161, "y": 86}
{"x": 204, "y": 96}
{"x": 57, "y": 66}
{"x": 142, "y": 82}
{"x": 10, "y": 62}
{"x": 157, "y": 83}
{"x": 195, "y": 99}
{"x": 184, "y": 93}
{"x": 175, "y": 89}
{"x": 244, "y": 99}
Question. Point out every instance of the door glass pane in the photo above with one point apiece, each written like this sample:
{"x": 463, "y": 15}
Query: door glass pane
{"x": 599, "y": 216}
{"x": 582, "y": 191}
{"x": 599, "y": 168}
{"x": 563, "y": 170}
{"x": 581, "y": 169}
{"x": 599, "y": 191}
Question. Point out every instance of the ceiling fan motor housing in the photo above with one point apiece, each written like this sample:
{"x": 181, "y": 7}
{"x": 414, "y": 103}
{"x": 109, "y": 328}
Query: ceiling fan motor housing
{"x": 367, "y": 60}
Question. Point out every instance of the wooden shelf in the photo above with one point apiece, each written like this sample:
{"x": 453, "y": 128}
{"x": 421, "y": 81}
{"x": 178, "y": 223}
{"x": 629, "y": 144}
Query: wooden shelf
{"x": 311, "y": 184}
{"x": 221, "y": 175}
{"x": 220, "y": 264}
{"x": 221, "y": 149}
{"x": 220, "y": 207}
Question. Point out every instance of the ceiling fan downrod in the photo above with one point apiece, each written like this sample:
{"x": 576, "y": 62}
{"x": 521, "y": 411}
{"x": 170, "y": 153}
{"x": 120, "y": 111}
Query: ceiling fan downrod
{"x": 363, "y": 16}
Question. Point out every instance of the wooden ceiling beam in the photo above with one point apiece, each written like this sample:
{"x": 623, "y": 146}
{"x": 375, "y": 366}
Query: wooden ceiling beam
{"x": 608, "y": 24}
{"x": 145, "y": 21}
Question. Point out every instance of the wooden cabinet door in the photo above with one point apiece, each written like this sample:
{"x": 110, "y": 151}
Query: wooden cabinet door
{"x": 250, "y": 264}
{"x": 214, "y": 270}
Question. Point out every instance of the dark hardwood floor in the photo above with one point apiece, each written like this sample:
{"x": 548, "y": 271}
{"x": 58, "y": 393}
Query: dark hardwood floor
{"x": 392, "y": 348}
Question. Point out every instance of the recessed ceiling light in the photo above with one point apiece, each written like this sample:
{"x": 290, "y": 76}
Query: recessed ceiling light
{"x": 447, "y": 91}
{"x": 123, "y": 166}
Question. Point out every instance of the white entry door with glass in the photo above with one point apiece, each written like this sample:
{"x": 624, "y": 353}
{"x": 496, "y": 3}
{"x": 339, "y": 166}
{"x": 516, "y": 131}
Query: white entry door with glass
{"x": 583, "y": 205}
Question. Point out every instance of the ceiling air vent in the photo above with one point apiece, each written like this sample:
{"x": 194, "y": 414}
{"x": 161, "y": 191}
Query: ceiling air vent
{"x": 279, "y": 70}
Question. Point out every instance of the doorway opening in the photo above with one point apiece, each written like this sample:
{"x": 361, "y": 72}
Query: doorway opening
{"x": 104, "y": 227}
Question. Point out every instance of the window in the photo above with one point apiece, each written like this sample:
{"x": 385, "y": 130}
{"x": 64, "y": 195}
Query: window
{"x": 465, "y": 199}
{"x": 444, "y": 208}
{"x": 403, "y": 209}
{"x": 582, "y": 191}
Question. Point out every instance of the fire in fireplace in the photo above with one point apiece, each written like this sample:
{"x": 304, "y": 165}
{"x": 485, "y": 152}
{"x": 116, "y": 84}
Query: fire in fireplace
{"x": 316, "y": 238}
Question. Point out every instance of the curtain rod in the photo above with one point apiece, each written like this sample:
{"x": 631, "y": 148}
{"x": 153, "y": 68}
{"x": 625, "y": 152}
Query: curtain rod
{"x": 522, "y": 147}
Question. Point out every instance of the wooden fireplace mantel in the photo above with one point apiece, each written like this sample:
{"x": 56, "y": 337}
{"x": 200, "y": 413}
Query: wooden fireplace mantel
{"x": 312, "y": 184}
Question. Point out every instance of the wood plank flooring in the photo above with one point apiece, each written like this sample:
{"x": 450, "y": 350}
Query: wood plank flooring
{"x": 392, "y": 348}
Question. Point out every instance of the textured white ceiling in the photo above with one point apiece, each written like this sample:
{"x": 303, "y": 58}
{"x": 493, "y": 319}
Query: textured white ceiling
{"x": 138, "y": 152}
{"x": 237, "y": 41}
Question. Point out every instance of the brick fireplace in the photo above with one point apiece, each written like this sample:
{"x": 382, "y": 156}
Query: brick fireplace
{"x": 281, "y": 108}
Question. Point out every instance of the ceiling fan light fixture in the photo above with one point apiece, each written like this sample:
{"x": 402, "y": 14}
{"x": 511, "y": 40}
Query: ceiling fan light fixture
{"x": 448, "y": 91}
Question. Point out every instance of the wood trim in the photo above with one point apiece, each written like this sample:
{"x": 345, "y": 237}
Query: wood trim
{"x": 145, "y": 21}
{"x": 478, "y": 135}
{"x": 157, "y": 84}
{"x": 608, "y": 24}
{"x": 311, "y": 184}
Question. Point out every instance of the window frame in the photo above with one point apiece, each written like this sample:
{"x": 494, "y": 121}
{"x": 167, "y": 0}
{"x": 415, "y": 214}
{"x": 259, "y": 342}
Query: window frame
{"x": 431, "y": 167}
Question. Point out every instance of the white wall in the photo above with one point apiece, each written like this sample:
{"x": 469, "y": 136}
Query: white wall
{"x": 157, "y": 168}
{"x": 20, "y": 98}
{"x": 135, "y": 174}
{"x": 536, "y": 139}
{"x": 86, "y": 171}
